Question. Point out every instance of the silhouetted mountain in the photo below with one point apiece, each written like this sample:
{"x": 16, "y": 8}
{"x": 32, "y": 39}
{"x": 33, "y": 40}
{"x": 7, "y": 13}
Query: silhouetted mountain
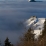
{"x": 31, "y": 0}
{"x": 34, "y": 1}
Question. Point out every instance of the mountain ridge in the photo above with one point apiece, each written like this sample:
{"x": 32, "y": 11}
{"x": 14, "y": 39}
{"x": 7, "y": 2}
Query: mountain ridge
{"x": 36, "y": 24}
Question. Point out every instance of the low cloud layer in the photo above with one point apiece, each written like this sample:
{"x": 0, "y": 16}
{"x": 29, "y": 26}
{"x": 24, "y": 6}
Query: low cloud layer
{"x": 12, "y": 13}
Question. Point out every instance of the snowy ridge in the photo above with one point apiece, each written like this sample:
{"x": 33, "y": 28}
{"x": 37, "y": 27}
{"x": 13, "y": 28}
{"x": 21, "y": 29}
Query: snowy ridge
{"x": 35, "y": 23}
{"x": 30, "y": 21}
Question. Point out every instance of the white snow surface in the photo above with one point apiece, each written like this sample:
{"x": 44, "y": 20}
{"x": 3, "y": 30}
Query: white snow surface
{"x": 29, "y": 0}
{"x": 36, "y": 24}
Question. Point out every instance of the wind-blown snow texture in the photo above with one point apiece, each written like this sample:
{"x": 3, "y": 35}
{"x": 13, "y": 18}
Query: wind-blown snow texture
{"x": 36, "y": 24}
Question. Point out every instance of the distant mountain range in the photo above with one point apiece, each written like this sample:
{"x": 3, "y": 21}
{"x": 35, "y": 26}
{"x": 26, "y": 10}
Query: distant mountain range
{"x": 34, "y": 1}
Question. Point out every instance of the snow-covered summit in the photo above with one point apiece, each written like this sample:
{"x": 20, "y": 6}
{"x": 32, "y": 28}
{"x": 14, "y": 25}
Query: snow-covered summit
{"x": 36, "y": 24}
{"x": 31, "y": 20}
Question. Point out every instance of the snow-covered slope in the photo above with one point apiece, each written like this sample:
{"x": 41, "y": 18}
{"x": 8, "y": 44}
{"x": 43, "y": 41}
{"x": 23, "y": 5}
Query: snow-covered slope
{"x": 36, "y": 24}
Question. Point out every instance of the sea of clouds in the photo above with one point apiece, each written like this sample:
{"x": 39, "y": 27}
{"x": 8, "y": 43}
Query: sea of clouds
{"x": 12, "y": 13}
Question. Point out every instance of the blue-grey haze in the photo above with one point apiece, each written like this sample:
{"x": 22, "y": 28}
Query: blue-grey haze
{"x": 14, "y": 12}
